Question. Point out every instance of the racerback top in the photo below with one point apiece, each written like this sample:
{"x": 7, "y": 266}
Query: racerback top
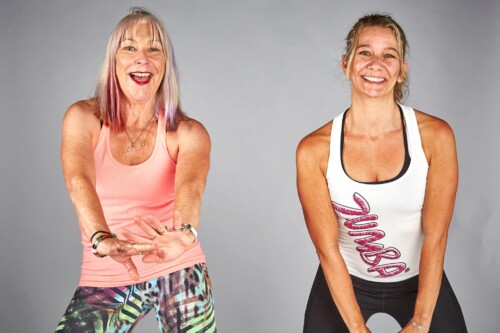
{"x": 380, "y": 227}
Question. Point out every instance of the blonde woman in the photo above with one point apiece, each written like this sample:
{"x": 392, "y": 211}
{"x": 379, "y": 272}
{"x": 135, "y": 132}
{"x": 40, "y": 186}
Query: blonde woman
{"x": 377, "y": 186}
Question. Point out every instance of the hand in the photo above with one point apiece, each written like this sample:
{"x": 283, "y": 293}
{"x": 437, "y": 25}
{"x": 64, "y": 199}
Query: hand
{"x": 122, "y": 251}
{"x": 171, "y": 244}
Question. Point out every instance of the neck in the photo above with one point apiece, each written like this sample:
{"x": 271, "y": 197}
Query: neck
{"x": 138, "y": 115}
{"x": 373, "y": 116}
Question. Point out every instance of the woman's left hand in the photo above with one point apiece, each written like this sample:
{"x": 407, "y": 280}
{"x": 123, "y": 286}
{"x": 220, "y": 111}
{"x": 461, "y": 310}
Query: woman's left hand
{"x": 171, "y": 244}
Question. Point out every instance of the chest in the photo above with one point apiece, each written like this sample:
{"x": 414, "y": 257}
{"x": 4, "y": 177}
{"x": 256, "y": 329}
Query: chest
{"x": 373, "y": 159}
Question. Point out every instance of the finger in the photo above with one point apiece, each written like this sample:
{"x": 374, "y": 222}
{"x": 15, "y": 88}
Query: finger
{"x": 132, "y": 270}
{"x": 150, "y": 230}
{"x": 132, "y": 249}
{"x": 156, "y": 224}
{"x": 141, "y": 249}
{"x": 135, "y": 238}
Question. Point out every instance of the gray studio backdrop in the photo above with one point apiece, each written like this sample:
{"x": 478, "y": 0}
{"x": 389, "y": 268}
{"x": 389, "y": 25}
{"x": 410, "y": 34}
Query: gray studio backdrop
{"x": 260, "y": 75}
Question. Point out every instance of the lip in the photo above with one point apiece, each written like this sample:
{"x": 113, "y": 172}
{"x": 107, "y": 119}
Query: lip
{"x": 141, "y": 78}
{"x": 373, "y": 79}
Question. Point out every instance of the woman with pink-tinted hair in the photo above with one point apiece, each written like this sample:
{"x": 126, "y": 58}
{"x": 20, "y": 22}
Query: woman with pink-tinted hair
{"x": 136, "y": 167}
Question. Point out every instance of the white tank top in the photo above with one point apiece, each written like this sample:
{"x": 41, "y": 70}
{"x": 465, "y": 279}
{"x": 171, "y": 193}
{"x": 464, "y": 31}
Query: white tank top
{"x": 380, "y": 228}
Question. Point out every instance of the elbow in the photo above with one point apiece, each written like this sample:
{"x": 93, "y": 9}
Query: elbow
{"x": 436, "y": 242}
{"x": 329, "y": 254}
{"x": 76, "y": 184}
{"x": 194, "y": 188}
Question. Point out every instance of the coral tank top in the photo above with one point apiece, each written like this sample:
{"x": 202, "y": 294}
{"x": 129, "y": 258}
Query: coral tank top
{"x": 124, "y": 192}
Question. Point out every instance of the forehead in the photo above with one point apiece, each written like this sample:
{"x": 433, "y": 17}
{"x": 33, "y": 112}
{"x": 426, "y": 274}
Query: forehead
{"x": 371, "y": 36}
{"x": 142, "y": 30}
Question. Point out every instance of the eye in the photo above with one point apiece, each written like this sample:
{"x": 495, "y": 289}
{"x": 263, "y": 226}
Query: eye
{"x": 129, "y": 48}
{"x": 364, "y": 53}
{"x": 389, "y": 56}
{"x": 154, "y": 49}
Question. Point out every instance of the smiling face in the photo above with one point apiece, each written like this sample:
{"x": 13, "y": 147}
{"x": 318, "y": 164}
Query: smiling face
{"x": 140, "y": 65}
{"x": 375, "y": 67}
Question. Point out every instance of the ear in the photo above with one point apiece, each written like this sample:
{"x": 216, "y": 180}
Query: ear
{"x": 404, "y": 70}
{"x": 344, "y": 67}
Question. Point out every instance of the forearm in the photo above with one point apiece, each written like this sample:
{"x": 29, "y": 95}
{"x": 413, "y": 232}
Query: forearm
{"x": 342, "y": 291}
{"x": 87, "y": 206}
{"x": 188, "y": 198}
{"x": 431, "y": 272}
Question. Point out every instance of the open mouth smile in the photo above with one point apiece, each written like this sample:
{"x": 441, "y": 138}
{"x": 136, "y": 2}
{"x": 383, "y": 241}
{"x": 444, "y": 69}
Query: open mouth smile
{"x": 373, "y": 79}
{"x": 141, "y": 77}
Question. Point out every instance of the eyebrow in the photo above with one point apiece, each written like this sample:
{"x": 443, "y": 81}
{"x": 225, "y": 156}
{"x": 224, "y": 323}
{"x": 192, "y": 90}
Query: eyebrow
{"x": 387, "y": 48}
{"x": 133, "y": 40}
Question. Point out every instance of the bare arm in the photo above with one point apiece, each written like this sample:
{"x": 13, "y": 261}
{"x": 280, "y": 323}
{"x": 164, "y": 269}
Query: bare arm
{"x": 442, "y": 180}
{"x": 193, "y": 164}
{"x": 312, "y": 155}
{"x": 80, "y": 130}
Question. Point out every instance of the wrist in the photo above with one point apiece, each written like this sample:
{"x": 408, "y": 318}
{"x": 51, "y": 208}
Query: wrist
{"x": 423, "y": 320}
{"x": 359, "y": 327}
{"x": 189, "y": 229}
{"x": 419, "y": 326}
{"x": 100, "y": 238}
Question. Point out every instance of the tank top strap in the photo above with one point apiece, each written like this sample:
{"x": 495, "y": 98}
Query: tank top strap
{"x": 161, "y": 132}
{"x": 334, "y": 159}
{"x": 414, "y": 139}
{"x": 102, "y": 139}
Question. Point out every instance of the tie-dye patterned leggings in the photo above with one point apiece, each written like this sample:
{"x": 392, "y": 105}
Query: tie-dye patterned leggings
{"x": 182, "y": 301}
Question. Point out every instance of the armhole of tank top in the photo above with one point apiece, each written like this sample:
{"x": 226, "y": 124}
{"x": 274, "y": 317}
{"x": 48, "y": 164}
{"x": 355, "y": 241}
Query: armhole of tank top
{"x": 161, "y": 137}
{"x": 333, "y": 162}
{"x": 415, "y": 140}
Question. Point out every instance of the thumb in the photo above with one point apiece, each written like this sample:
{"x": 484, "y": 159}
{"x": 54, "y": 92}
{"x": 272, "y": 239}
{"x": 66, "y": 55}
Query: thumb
{"x": 177, "y": 220}
{"x": 132, "y": 270}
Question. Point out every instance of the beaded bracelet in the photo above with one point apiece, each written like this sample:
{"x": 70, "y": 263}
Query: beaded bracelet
{"x": 419, "y": 327}
{"x": 98, "y": 232}
{"x": 98, "y": 240}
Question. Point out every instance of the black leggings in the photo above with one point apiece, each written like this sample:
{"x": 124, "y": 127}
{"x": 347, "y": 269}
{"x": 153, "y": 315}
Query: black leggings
{"x": 397, "y": 299}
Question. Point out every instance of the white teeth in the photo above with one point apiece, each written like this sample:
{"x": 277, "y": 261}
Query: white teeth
{"x": 141, "y": 74}
{"x": 373, "y": 79}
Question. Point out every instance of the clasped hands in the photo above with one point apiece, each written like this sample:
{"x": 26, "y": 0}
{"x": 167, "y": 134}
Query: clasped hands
{"x": 170, "y": 244}
{"x": 160, "y": 245}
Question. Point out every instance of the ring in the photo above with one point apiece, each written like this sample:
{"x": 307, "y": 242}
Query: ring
{"x": 162, "y": 232}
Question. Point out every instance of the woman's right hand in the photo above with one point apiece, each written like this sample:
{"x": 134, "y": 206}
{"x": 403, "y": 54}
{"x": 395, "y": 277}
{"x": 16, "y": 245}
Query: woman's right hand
{"x": 122, "y": 252}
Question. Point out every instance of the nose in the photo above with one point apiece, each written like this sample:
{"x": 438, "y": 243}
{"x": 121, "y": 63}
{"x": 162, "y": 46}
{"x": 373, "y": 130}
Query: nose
{"x": 141, "y": 57}
{"x": 375, "y": 64}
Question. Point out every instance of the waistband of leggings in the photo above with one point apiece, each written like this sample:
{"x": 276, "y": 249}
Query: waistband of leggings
{"x": 404, "y": 284}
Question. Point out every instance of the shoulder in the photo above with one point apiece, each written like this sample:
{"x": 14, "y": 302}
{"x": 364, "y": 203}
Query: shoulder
{"x": 436, "y": 134}
{"x": 84, "y": 110}
{"x": 315, "y": 147}
{"x": 81, "y": 121}
{"x": 191, "y": 129}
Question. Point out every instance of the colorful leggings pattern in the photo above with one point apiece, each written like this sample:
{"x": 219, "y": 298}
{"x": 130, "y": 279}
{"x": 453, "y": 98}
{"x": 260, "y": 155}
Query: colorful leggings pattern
{"x": 182, "y": 301}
